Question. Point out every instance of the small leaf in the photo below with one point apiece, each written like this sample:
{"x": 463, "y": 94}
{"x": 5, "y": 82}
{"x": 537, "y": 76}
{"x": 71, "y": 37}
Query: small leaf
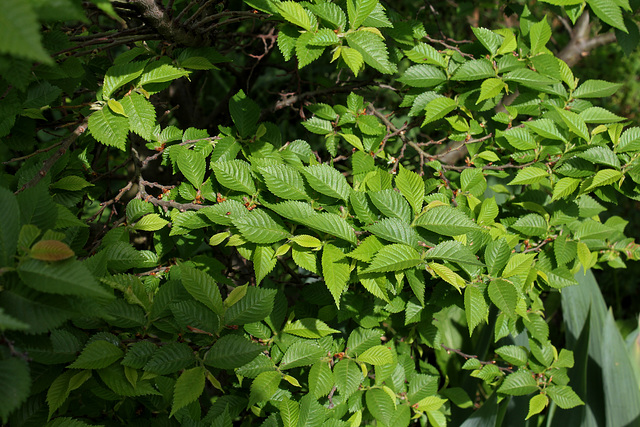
{"x": 490, "y": 88}
{"x": 564, "y": 396}
{"x": 504, "y": 295}
{"x": 51, "y": 250}
{"x": 294, "y": 13}
{"x": 564, "y": 187}
{"x": 537, "y": 405}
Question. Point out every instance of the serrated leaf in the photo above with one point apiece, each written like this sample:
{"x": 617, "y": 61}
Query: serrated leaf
{"x": 446, "y": 221}
{"x": 202, "y": 288}
{"x": 255, "y": 305}
{"x": 328, "y": 181}
{"x": 438, "y": 108}
{"x": 519, "y": 383}
{"x": 108, "y": 128}
{"x": 309, "y": 328}
{"x": 325, "y": 37}
{"x": 318, "y": 126}
{"x": 411, "y": 185}
{"x": 380, "y": 404}
{"x": 475, "y": 307}
{"x": 603, "y": 177}
{"x": 531, "y": 225}
{"x": 609, "y": 12}
{"x": 395, "y": 230}
{"x": 537, "y": 405}
{"x": 232, "y": 351}
{"x": 352, "y": 58}
{"x": 359, "y": 10}
{"x": 235, "y": 175}
{"x": 565, "y": 187}
{"x": 335, "y": 271}
{"x": 51, "y": 250}
{"x": 601, "y": 155}
{"x": 141, "y": 114}
{"x": 97, "y": 355}
{"x": 320, "y": 379}
{"x": 490, "y": 40}
{"x": 264, "y": 386}
{"x": 119, "y": 75}
{"x": 453, "y": 251}
{"x": 15, "y": 377}
{"x": 189, "y": 386}
{"x": 539, "y": 34}
{"x": 305, "y": 51}
{"x": 563, "y": 396}
{"x": 284, "y": 181}
{"x": 477, "y": 69}
{"x": 424, "y": 53}
{"x": 20, "y": 32}
{"x": 294, "y": 13}
{"x": 394, "y": 257}
{"x": 391, "y": 204}
{"x": 264, "y": 261}
{"x": 422, "y": 76}
{"x": 259, "y": 226}
{"x": 529, "y": 175}
{"x": 193, "y": 166}
{"x": 448, "y": 275}
{"x": 347, "y": 377}
{"x": 596, "y": 89}
{"x": 289, "y": 412}
{"x": 490, "y": 88}
{"x": 301, "y": 353}
{"x": 528, "y": 78}
{"x": 160, "y": 73}
{"x": 376, "y": 355}
{"x": 151, "y": 222}
{"x": 575, "y": 123}
{"x": 504, "y": 295}
{"x": 373, "y": 50}
{"x": 599, "y": 115}
{"x": 513, "y": 354}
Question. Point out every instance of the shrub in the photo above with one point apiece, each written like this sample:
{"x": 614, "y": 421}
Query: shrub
{"x": 402, "y": 235}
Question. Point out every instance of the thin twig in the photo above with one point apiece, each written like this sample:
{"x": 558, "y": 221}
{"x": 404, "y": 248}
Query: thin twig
{"x": 472, "y": 356}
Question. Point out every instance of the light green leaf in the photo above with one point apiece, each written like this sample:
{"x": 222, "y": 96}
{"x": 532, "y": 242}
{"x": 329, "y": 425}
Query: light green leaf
{"x": 438, "y": 108}
{"x": 539, "y": 34}
{"x": 519, "y": 383}
{"x": 335, "y": 271}
{"x": 254, "y": 306}
{"x": 603, "y": 177}
{"x": 352, "y": 58}
{"x": 294, "y": 13}
{"x": 305, "y": 51}
{"x": 411, "y": 185}
{"x": 565, "y": 187}
{"x": 189, "y": 386}
{"x": 395, "y": 230}
{"x": 504, "y": 295}
{"x": 289, "y": 411}
{"x": 422, "y": 76}
{"x": 575, "y": 123}
{"x": 394, "y": 257}
{"x": 513, "y": 354}
{"x": 359, "y": 10}
{"x": 347, "y": 377}
{"x": 235, "y": 175}
{"x": 151, "y": 222}
{"x": 475, "y": 307}
{"x": 309, "y": 328}
{"x": 531, "y": 225}
{"x": 373, "y": 50}
{"x": 264, "y": 261}
{"x": 446, "y": 221}
{"x": 537, "y": 404}
{"x": 119, "y": 75}
{"x": 160, "y": 73}
{"x": 318, "y": 126}
{"x": 528, "y": 78}
{"x": 564, "y": 396}
{"x": 518, "y": 264}
{"x": 320, "y": 379}
{"x": 601, "y": 155}
{"x": 599, "y": 115}
{"x": 325, "y": 37}
{"x": 264, "y": 386}
{"x": 424, "y": 53}
{"x": 596, "y": 88}
{"x": 391, "y": 204}
{"x": 476, "y": 69}
{"x": 301, "y": 353}
{"x": 490, "y": 88}
{"x": 380, "y": 404}
{"x": 328, "y": 181}
{"x": 141, "y": 114}
{"x": 193, "y": 166}
{"x": 108, "y": 128}
{"x": 490, "y": 40}
{"x": 529, "y": 175}
{"x": 377, "y": 355}
{"x": 448, "y": 275}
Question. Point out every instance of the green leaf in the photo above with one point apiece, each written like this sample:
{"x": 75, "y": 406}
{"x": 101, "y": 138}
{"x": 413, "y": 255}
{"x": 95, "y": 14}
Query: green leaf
{"x": 359, "y": 10}
{"x": 318, "y": 126}
{"x": 264, "y": 386}
{"x": 477, "y": 69}
{"x": 518, "y": 264}
{"x": 610, "y": 13}
{"x": 289, "y": 412}
{"x": 68, "y": 277}
{"x": 309, "y": 328}
{"x": 564, "y": 396}
{"x": 529, "y": 175}
{"x": 294, "y": 13}
{"x": 202, "y": 288}
{"x": 325, "y": 37}
{"x": 537, "y": 404}
{"x": 504, "y": 295}
{"x": 599, "y": 115}
{"x": 603, "y": 177}
{"x": 531, "y": 225}
{"x": 159, "y": 73}
{"x": 20, "y": 32}
{"x": 596, "y": 88}
{"x": 189, "y": 386}
{"x": 575, "y": 123}
{"x": 335, "y": 271}
{"x": 193, "y": 166}
{"x": 331, "y": 13}
{"x": 513, "y": 354}
{"x": 347, "y": 377}
{"x": 422, "y": 76}
{"x": 245, "y": 113}
{"x": 170, "y": 358}
{"x": 9, "y": 226}
{"x": 377, "y": 355}
{"x": 328, "y": 181}
{"x": 260, "y": 226}
{"x": 394, "y": 257}
{"x": 256, "y": 304}
{"x": 151, "y": 222}
{"x": 454, "y": 252}
{"x": 564, "y": 187}
{"x": 108, "y": 128}
{"x": 391, "y": 204}
{"x": 305, "y": 51}
{"x": 528, "y": 78}
{"x": 51, "y": 250}
{"x": 395, "y": 230}
{"x": 320, "y": 379}
{"x": 411, "y": 185}
{"x": 519, "y": 383}
{"x": 601, "y": 155}
{"x": 232, "y": 351}
{"x": 264, "y": 261}
{"x": 380, "y": 404}
{"x": 539, "y": 34}
{"x": 15, "y": 378}
{"x": 424, "y": 53}
{"x": 235, "y": 175}
{"x": 97, "y": 355}
{"x": 490, "y": 40}
{"x": 438, "y": 108}
{"x": 373, "y": 50}
{"x": 352, "y": 58}
{"x": 490, "y": 88}
{"x": 475, "y": 307}
{"x": 71, "y": 183}
{"x": 312, "y": 413}
{"x": 141, "y": 114}
{"x": 446, "y": 221}
{"x": 301, "y": 353}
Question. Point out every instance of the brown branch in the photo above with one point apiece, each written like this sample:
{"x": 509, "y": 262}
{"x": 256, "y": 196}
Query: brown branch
{"x": 169, "y": 29}
{"x": 48, "y": 164}
{"x": 182, "y": 207}
{"x": 581, "y": 42}
{"x": 35, "y": 153}
{"x": 472, "y": 356}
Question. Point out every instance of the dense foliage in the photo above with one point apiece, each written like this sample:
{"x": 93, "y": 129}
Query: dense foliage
{"x": 317, "y": 213}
